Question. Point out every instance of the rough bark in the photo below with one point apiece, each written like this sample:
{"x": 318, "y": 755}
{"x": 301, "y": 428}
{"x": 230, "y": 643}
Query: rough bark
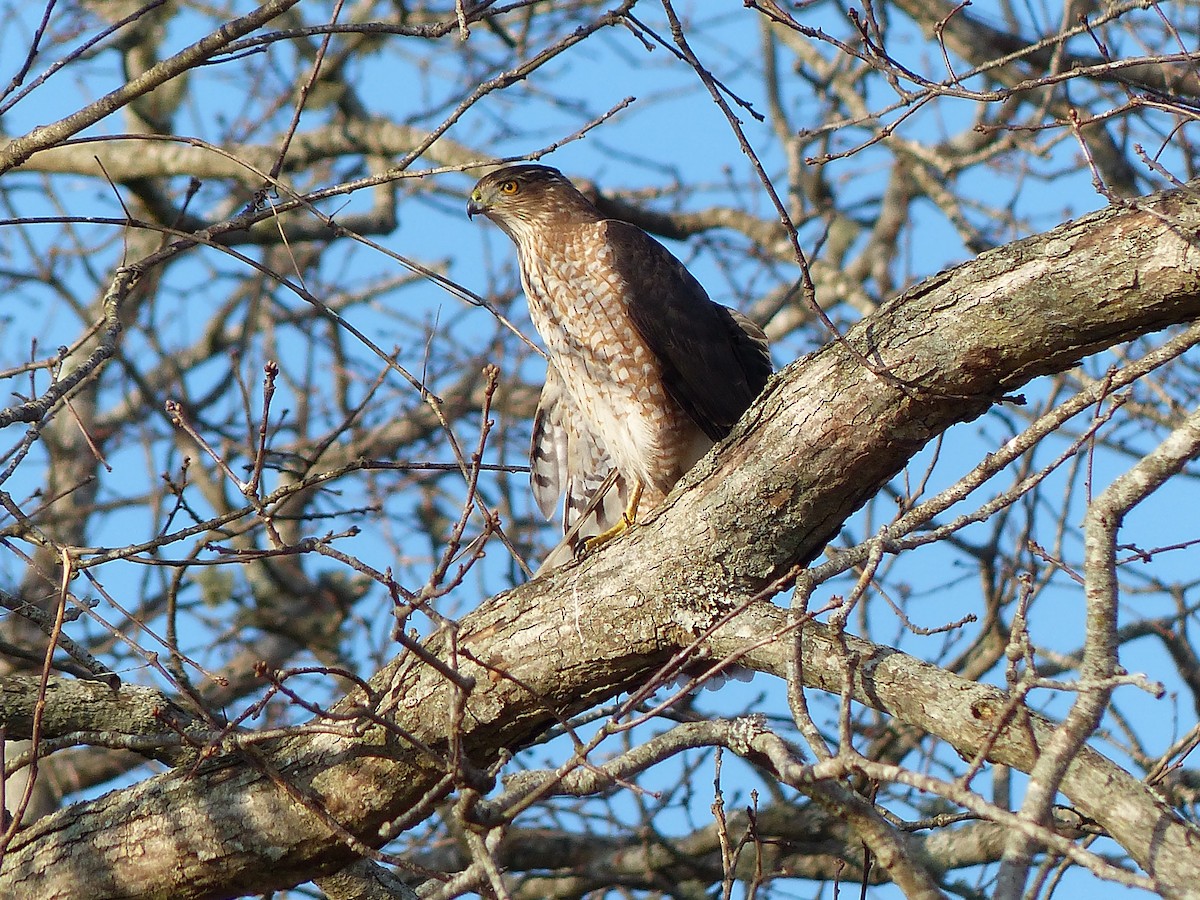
{"x": 824, "y": 437}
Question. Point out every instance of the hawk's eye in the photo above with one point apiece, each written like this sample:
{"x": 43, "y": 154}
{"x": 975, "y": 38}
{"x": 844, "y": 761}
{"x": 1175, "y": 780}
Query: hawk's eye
{"x": 509, "y": 187}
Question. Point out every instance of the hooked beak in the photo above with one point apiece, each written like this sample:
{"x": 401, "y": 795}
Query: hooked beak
{"x": 475, "y": 207}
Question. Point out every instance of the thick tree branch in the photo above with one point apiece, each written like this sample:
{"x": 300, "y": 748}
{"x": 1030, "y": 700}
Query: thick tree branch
{"x": 74, "y": 706}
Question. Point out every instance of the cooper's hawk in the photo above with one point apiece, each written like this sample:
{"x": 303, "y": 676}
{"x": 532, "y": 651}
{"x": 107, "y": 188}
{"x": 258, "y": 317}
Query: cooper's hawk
{"x": 644, "y": 371}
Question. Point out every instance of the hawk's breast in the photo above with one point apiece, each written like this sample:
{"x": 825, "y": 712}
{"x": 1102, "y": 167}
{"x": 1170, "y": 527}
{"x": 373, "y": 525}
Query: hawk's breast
{"x": 578, "y": 303}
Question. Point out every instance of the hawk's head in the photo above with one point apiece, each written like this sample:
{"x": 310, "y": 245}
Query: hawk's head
{"x": 524, "y": 198}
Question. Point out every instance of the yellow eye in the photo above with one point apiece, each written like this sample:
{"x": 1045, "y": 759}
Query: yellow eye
{"x": 509, "y": 187}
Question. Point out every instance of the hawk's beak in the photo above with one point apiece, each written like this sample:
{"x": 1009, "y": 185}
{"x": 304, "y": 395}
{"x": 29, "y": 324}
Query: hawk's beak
{"x": 475, "y": 206}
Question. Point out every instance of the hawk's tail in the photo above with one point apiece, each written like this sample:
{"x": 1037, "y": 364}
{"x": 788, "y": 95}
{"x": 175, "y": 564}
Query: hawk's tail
{"x": 587, "y": 515}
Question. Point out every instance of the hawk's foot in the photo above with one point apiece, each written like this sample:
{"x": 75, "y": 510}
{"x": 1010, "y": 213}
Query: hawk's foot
{"x": 622, "y": 524}
{"x": 596, "y": 541}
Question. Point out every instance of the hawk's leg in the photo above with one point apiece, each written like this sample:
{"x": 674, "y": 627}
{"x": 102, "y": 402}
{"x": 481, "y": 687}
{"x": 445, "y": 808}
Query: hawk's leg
{"x": 627, "y": 518}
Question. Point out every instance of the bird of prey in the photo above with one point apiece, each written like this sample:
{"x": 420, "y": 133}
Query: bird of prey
{"x": 644, "y": 372}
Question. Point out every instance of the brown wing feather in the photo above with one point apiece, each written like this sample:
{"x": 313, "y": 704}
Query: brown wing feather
{"x": 714, "y": 362}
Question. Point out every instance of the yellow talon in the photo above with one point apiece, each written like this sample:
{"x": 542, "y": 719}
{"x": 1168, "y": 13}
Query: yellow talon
{"x": 627, "y": 519}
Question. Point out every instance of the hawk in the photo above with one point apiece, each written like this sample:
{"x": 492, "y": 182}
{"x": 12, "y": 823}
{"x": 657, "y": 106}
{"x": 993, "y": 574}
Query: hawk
{"x": 644, "y": 372}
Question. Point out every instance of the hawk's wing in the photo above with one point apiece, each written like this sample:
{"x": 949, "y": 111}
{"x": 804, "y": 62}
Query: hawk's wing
{"x": 566, "y": 458}
{"x": 714, "y": 361}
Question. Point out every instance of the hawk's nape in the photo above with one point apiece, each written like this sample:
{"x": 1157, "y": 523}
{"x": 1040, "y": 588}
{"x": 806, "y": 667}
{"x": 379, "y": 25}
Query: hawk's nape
{"x": 645, "y": 373}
